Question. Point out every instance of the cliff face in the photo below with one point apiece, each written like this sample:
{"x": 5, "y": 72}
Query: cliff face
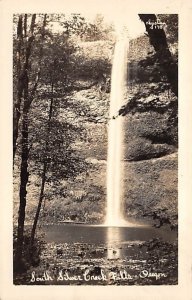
{"x": 150, "y": 144}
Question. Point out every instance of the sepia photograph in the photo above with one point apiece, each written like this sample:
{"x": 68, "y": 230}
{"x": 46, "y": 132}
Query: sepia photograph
{"x": 96, "y": 150}
{"x": 95, "y": 143}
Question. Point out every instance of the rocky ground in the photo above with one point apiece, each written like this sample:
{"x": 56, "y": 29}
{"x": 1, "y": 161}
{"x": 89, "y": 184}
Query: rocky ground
{"x": 133, "y": 263}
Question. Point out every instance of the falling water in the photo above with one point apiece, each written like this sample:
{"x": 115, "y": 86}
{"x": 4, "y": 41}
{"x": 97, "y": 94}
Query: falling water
{"x": 115, "y": 134}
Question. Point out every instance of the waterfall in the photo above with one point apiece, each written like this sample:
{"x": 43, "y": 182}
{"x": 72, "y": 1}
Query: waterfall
{"x": 115, "y": 134}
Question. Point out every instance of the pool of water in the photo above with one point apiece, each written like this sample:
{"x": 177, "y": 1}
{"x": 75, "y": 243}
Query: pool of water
{"x": 77, "y": 233}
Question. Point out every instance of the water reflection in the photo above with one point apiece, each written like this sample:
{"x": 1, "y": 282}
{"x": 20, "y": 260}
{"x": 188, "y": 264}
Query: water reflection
{"x": 114, "y": 235}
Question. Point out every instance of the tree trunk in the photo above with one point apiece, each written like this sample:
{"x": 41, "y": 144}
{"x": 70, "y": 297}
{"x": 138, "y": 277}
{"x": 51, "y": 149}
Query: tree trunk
{"x": 23, "y": 175}
{"x": 17, "y": 104}
{"x": 24, "y": 150}
{"x": 43, "y": 180}
{"x": 22, "y": 68}
{"x": 158, "y": 40}
{"x": 43, "y": 176}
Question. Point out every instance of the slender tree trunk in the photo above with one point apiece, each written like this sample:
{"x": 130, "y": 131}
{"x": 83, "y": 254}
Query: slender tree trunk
{"x": 40, "y": 59}
{"x": 17, "y": 104}
{"x": 24, "y": 150}
{"x": 43, "y": 180}
{"x": 158, "y": 40}
{"x": 22, "y": 67}
{"x": 43, "y": 176}
{"x": 23, "y": 175}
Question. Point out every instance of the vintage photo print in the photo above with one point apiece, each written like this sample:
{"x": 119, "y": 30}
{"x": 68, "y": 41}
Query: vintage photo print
{"x": 96, "y": 144}
{"x": 95, "y": 149}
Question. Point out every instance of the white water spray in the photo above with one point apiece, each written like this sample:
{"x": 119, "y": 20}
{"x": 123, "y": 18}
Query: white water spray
{"x": 115, "y": 134}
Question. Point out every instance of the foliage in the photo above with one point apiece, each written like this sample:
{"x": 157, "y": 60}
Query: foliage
{"x": 150, "y": 76}
{"x": 171, "y": 27}
{"x": 42, "y": 61}
{"x": 31, "y": 255}
{"x": 87, "y": 31}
